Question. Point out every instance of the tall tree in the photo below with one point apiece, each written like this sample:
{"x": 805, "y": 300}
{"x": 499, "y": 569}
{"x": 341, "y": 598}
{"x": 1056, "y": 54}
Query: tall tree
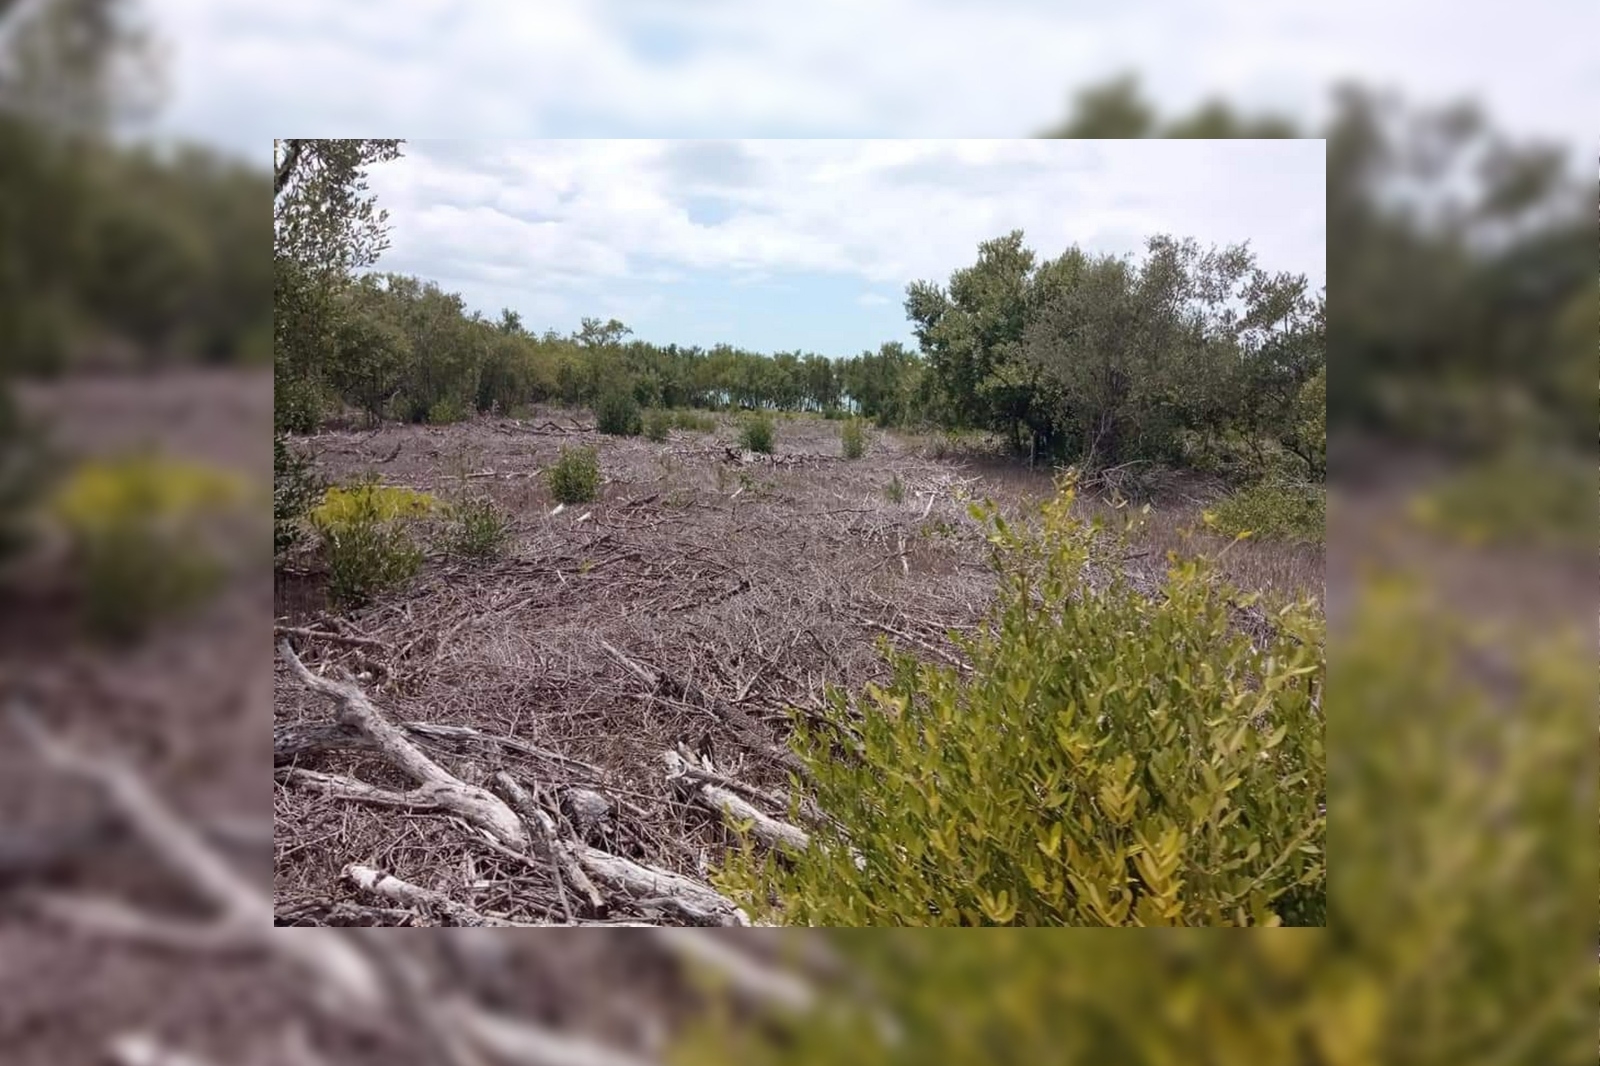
{"x": 325, "y": 225}
{"x": 972, "y": 331}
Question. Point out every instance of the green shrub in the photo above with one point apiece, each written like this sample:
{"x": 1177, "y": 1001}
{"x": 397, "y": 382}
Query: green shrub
{"x": 755, "y": 433}
{"x": 1522, "y": 498}
{"x": 136, "y": 528}
{"x": 575, "y": 476}
{"x": 657, "y": 424}
{"x": 617, "y": 413}
{"x": 1272, "y": 511}
{"x": 1450, "y": 959}
{"x": 895, "y": 490}
{"x": 477, "y": 529}
{"x": 294, "y": 487}
{"x": 445, "y": 410}
{"x": 1112, "y": 758}
{"x": 853, "y": 439}
{"x": 297, "y": 404}
{"x": 366, "y": 538}
{"x": 695, "y": 421}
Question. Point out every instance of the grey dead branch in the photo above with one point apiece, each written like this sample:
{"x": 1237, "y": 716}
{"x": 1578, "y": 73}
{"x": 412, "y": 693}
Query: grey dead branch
{"x": 357, "y": 980}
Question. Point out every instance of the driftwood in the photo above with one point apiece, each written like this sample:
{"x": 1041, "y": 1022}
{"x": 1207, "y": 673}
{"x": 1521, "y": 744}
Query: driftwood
{"x": 653, "y": 887}
{"x": 292, "y": 741}
{"x": 437, "y": 788}
{"x": 243, "y": 920}
{"x": 332, "y": 638}
{"x": 558, "y": 854}
{"x": 387, "y": 886}
{"x": 735, "y": 808}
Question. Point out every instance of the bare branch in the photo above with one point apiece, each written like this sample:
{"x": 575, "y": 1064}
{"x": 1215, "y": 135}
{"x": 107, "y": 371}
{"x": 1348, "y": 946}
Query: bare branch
{"x": 477, "y": 805}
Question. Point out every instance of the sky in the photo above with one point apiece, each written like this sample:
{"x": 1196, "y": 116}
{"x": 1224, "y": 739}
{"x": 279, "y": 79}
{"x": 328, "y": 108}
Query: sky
{"x": 784, "y": 244}
{"x": 241, "y": 72}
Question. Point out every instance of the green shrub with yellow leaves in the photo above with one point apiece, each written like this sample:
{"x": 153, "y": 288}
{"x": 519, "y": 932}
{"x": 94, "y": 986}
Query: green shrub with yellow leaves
{"x": 366, "y": 539}
{"x": 1113, "y": 757}
{"x": 1273, "y": 510}
{"x": 1462, "y": 917}
{"x": 135, "y": 527}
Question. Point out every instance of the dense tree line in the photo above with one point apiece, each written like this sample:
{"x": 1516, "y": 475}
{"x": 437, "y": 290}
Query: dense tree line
{"x": 1097, "y": 358}
{"x": 129, "y": 255}
{"x": 1461, "y": 262}
{"x": 1105, "y": 359}
{"x": 112, "y": 249}
{"x": 404, "y": 348}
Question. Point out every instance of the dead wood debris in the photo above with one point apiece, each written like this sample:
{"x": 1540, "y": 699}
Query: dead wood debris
{"x": 514, "y": 833}
{"x": 706, "y": 597}
{"x": 364, "y": 983}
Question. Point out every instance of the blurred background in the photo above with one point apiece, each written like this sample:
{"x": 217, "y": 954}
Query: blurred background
{"x": 135, "y": 332}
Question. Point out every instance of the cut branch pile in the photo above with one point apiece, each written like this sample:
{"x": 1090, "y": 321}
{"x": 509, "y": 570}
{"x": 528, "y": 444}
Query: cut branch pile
{"x": 512, "y": 832}
{"x": 355, "y": 985}
{"x": 577, "y": 732}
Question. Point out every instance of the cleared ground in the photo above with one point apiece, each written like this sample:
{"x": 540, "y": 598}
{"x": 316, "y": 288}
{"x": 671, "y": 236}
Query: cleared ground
{"x": 703, "y": 594}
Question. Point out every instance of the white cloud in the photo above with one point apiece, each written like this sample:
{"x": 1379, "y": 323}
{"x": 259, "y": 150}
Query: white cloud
{"x": 563, "y": 215}
{"x": 247, "y": 71}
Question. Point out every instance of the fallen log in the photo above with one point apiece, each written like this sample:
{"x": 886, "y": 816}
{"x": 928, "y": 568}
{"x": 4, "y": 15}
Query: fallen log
{"x": 736, "y": 809}
{"x": 436, "y": 786}
{"x": 695, "y": 902}
{"x": 387, "y": 886}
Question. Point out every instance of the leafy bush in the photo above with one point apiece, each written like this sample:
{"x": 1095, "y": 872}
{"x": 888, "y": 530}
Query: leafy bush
{"x": 445, "y": 410}
{"x": 1450, "y": 962}
{"x": 657, "y": 424}
{"x": 1273, "y": 510}
{"x": 294, "y": 487}
{"x": 695, "y": 421}
{"x": 366, "y": 540}
{"x": 477, "y": 529}
{"x": 755, "y": 433}
{"x": 895, "y": 490}
{"x": 1112, "y": 758}
{"x": 136, "y": 529}
{"x": 1517, "y": 498}
{"x": 575, "y": 475}
{"x": 617, "y": 413}
{"x": 297, "y": 404}
{"x": 853, "y": 439}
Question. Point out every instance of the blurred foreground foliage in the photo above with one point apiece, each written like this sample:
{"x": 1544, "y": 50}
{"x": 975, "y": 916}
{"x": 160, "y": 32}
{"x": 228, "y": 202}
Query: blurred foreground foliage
{"x": 1542, "y": 498}
{"x": 137, "y": 529}
{"x": 1454, "y": 935}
